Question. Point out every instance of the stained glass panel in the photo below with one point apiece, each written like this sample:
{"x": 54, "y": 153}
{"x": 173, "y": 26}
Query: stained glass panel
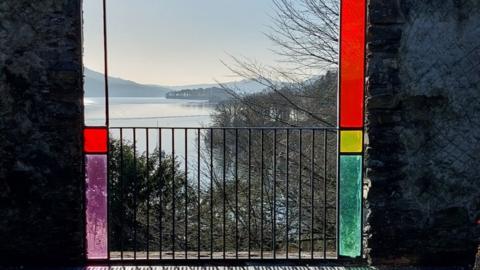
{"x": 96, "y": 206}
{"x": 351, "y": 141}
{"x": 350, "y": 205}
{"x": 95, "y": 140}
{"x": 352, "y": 63}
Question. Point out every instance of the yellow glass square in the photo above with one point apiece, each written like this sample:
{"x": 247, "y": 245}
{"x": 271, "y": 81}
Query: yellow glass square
{"x": 351, "y": 141}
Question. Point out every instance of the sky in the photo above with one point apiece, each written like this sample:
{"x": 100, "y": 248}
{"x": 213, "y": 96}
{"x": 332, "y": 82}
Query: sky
{"x": 177, "y": 42}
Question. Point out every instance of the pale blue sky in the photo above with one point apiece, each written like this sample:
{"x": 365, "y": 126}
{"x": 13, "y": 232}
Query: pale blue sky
{"x": 177, "y": 42}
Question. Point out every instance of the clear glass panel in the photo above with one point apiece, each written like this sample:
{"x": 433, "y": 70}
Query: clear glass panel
{"x": 350, "y": 205}
{"x": 93, "y": 57}
{"x": 96, "y": 208}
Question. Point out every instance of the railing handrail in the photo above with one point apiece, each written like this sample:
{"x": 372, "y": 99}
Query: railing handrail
{"x": 232, "y": 128}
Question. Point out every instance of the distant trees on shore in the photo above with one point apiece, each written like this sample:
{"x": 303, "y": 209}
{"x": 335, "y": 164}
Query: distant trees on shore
{"x": 213, "y": 94}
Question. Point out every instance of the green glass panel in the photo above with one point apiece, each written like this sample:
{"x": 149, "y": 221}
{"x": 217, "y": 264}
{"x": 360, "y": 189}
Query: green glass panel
{"x": 350, "y": 205}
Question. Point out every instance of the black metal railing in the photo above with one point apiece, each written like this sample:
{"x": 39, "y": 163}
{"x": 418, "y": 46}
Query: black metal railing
{"x": 222, "y": 193}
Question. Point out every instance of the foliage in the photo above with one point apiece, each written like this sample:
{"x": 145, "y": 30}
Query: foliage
{"x": 143, "y": 189}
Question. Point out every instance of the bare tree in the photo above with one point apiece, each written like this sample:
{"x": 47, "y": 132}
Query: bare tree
{"x": 299, "y": 95}
{"x": 306, "y": 35}
{"x": 306, "y": 32}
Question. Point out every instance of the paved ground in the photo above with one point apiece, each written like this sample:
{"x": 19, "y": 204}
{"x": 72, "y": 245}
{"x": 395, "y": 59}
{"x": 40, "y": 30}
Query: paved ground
{"x": 260, "y": 267}
{"x": 219, "y": 255}
{"x": 230, "y": 268}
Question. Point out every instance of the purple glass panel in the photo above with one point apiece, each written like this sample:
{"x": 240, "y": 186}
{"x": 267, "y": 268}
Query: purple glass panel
{"x": 98, "y": 268}
{"x": 96, "y": 208}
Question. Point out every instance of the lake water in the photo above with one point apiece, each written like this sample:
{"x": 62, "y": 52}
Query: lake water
{"x": 149, "y": 112}
{"x": 154, "y": 112}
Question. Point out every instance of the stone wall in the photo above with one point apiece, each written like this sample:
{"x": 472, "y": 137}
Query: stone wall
{"x": 41, "y": 118}
{"x": 477, "y": 260}
{"x": 423, "y": 124}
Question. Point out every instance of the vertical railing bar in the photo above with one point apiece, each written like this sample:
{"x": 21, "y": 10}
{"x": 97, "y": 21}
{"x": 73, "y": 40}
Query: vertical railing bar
{"x": 236, "y": 193}
{"x": 337, "y": 197}
{"x": 122, "y": 190}
{"x": 300, "y": 196}
{"x": 274, "y": 216}
{"x": 287, "y": 192}
{"x": 211, "y": 193}
{"x": 107, "y": 124}
{"x": 109, "y": 187}
{"x": 198, "y": 193}
{"x": 186, "y": 193}
{"x": 134, "y": 194}
{"x": 224, "y": 193}
{"x": 173, "y": 193}
{"x": 325, "y": 145}
{"x": 105, "y": 65}
{"x": 312, "y": 194}
{"x": 249, "y": 191}
{"x": 261, "y": 193}
{"x": 148, "y": 191}
{"x": 160, "y": 193}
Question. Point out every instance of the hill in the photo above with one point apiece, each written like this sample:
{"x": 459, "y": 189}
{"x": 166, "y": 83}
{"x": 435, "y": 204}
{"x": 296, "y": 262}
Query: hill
{"x": 94, "y": 87}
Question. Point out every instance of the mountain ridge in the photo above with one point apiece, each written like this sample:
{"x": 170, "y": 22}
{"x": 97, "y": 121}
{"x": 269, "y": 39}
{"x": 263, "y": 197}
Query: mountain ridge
{"x": 94, "y": 86}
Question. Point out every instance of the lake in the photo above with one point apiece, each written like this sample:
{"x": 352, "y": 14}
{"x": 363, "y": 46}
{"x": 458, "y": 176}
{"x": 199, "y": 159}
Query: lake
{"x": 154, "y": 112}
{"x": 149, "y": 112}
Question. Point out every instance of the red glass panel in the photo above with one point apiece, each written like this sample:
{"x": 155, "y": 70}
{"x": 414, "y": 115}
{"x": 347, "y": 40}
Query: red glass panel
{"x": 95, "y": 140}
{"x": 352, "y": 63}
